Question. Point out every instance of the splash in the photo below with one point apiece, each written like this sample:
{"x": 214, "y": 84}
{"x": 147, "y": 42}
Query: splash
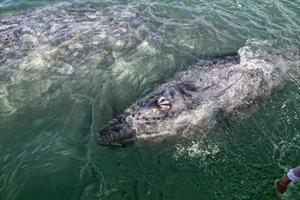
{"x": 196, "y": 149}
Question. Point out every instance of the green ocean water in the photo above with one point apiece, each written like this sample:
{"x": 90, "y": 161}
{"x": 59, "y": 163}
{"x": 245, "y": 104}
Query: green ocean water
{"x": 48, "y": 120}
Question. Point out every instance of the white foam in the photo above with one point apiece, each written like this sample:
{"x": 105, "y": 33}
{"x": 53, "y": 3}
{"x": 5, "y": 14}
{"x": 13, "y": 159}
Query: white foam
{"x": 196, "y": 149}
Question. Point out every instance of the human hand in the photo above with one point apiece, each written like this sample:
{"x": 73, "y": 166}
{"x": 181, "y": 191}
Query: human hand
{"x": 282, "y": 184}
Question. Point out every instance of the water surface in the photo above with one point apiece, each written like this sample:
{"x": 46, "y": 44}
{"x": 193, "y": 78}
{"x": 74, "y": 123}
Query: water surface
{"x": 63, "y": 81}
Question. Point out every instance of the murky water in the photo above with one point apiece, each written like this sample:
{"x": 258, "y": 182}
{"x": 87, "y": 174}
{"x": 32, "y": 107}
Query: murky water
{"x": 67, "y": 68}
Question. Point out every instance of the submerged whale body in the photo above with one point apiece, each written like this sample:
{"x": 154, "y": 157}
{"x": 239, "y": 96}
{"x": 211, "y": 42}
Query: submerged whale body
{"x": 198, "y": 98}
{"x": 46, "y": 49}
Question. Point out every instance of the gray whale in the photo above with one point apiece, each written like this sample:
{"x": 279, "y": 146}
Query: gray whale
{"x": 199, "y": 97}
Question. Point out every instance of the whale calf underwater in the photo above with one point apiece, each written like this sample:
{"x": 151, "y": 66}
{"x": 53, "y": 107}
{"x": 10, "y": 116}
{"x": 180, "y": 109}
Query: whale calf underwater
{"x": 200, "y": 97}
{"x": 45, "y": 49}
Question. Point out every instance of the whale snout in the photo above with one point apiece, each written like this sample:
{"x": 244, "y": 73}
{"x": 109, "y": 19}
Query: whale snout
{"x": 116, "y": 134}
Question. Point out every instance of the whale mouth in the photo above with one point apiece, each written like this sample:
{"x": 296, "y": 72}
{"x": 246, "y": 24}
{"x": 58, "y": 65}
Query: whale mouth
{"x": 107, "y": 140}
{"x": 115, "y": 143}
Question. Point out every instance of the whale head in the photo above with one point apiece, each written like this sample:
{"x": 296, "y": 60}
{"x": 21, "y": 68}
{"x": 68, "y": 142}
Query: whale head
{"x": 149, "y": 117}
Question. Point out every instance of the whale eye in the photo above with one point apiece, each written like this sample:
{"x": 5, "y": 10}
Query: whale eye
{"x": 163, "y": 103}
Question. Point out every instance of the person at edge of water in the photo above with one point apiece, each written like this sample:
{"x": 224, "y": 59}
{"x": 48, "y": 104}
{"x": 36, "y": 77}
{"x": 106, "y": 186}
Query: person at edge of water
{"x": 292, "y": 176}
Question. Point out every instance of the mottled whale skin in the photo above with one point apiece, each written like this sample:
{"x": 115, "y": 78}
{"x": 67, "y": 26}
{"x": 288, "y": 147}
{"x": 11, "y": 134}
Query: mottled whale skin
{"x": 197, "y": 98}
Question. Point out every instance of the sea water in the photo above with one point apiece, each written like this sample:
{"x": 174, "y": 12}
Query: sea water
{"x": 67, "y": 67}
